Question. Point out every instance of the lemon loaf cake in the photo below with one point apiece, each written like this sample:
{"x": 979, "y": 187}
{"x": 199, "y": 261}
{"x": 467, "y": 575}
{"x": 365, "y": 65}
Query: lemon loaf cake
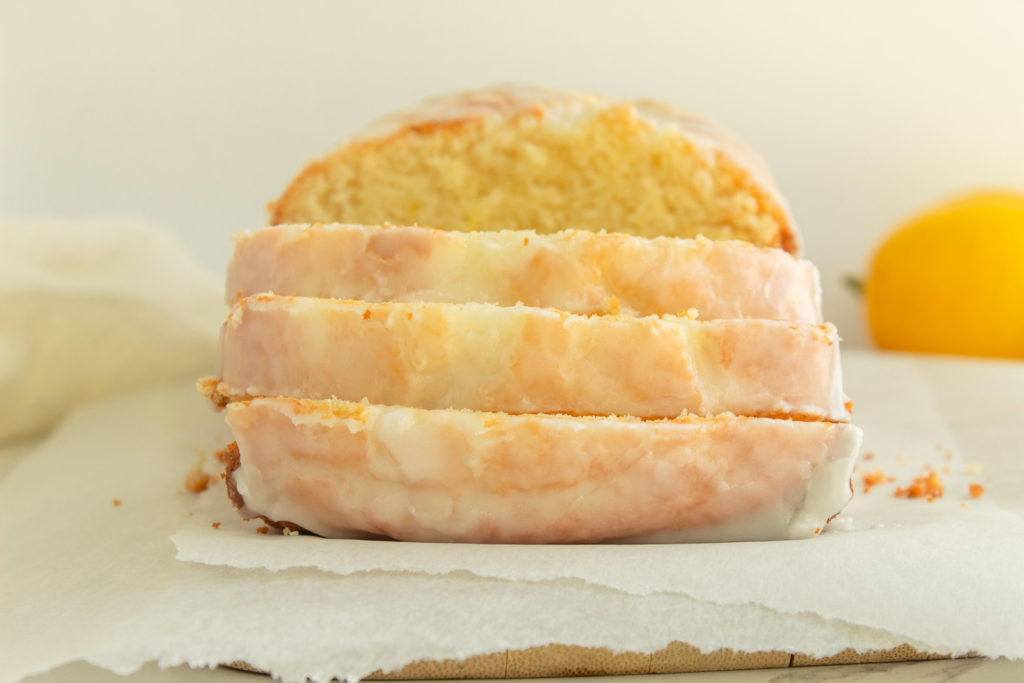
{"x": 338, "y": 468}
{"x": 520, "y": 359}
{"x": 528, "y": 158}
{"x": 573, "y": 270}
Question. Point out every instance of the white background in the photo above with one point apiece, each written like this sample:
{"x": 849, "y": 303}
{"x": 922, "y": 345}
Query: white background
{"x": 194, "y": 114}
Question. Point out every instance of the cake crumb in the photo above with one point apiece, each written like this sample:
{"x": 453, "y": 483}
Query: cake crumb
{"x": 291, "y": 532}
{"x": 196, "y": 480}
{"x": 263, "y": 530}
{"x": 976, "y": 490}
{"x": 928, "y": 486}
{"x": 216, "y": 525}
{"x": 872, "y": 479}
{"x": 116, "y": 502}
{"x": 973, "y": 468}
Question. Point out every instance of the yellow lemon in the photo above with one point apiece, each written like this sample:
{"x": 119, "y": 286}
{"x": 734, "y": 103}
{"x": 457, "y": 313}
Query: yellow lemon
{"x": 951, "y": 280}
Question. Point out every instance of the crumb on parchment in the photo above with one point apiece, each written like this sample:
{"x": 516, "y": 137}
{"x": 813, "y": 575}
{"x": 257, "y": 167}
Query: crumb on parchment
{"x": 116, "y": 502}
{"x": 215, "y": 525}
{"x": 976, "y": 490}
{"x": 196, "y": 480}
{"x": 928, "y": 486}
{"x": 263, "y": 530}
{"x": 872, "y": 479}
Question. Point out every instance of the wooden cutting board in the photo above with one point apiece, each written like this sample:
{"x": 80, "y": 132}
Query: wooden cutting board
{"x": 570, "y": 660}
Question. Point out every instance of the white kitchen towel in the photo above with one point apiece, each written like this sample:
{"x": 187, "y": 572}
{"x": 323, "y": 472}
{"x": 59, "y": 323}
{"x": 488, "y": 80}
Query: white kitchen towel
{"x": 92, "y": 308}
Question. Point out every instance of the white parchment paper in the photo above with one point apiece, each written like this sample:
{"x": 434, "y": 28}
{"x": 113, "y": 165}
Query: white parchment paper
{"x": 87, "y": 579}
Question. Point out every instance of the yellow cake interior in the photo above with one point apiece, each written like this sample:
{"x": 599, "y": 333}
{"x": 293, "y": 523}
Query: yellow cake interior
{"x": 610, "y": 171}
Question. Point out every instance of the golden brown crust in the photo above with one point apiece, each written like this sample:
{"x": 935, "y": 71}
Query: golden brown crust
{"x": 787, "y": 239}
{"x": 313, "y": 169}
{"x": 232, "y": 460}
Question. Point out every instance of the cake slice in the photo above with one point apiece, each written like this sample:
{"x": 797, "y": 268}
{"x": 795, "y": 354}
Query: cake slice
{"x": 521, "y": 359}
{"x": 573, "y": 270}
{"x": 528, "y": 158}
{"x": 340, "y": 469}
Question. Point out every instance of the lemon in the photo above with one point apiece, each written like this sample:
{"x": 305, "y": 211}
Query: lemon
{"x": 951, "y": 280}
